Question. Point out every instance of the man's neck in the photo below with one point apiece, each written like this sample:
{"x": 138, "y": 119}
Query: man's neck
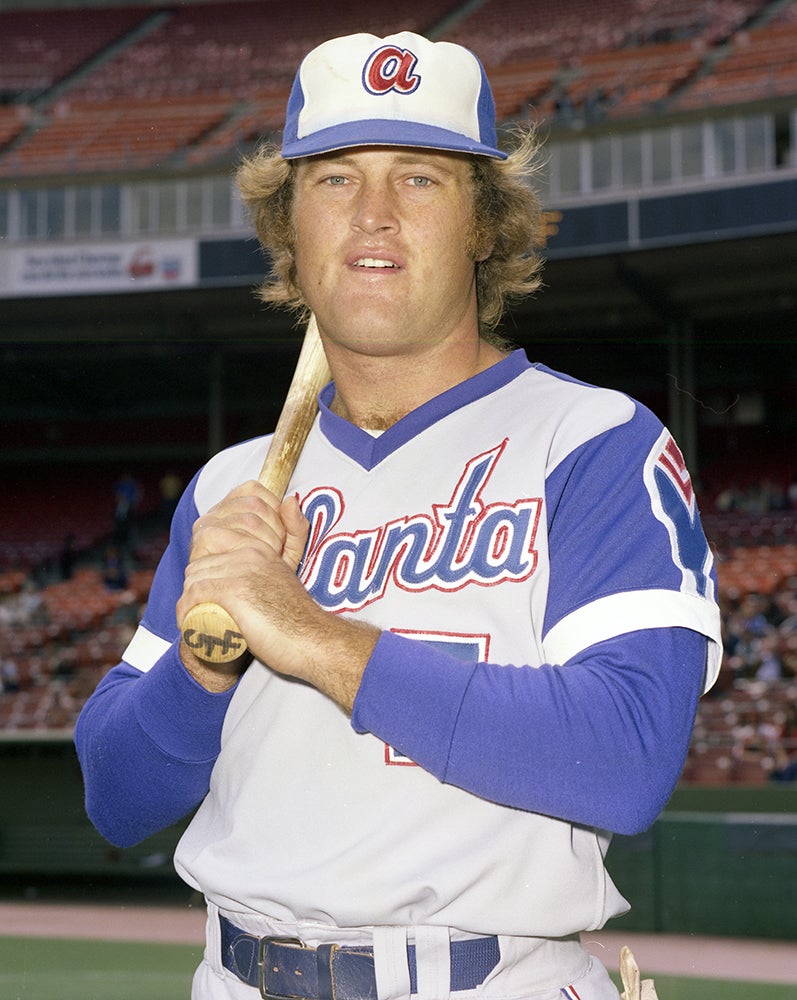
{"x": 375, "y": 393}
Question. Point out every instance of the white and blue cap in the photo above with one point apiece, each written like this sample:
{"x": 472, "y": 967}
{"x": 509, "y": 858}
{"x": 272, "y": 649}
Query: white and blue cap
{"x": 401, "y": 90}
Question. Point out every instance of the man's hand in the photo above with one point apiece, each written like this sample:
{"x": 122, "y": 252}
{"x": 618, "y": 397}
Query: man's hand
{"x": 245, "y": 552}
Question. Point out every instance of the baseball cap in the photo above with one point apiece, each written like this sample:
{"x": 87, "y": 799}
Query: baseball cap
{"x": 401, "y": 90}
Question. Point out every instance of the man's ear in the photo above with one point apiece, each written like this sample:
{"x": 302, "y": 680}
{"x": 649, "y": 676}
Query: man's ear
{"x": 481, "y": 241}
{"x": 484, "y": 253}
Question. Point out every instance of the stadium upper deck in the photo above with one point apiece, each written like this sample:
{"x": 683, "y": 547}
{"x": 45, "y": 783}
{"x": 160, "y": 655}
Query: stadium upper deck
{"x": 127, "y": 88}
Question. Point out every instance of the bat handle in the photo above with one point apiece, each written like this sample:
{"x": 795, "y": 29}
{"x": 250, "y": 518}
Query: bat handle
{"x": 212, "y": 634}
{"x": 208, "y": 630}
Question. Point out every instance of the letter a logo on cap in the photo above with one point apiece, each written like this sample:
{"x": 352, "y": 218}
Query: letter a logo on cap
{"x": 391, "y": 68}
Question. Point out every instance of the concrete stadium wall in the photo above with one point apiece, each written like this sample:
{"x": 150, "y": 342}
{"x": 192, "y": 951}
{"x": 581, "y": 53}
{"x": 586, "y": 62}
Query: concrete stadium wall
{"x": 718, "y": 873}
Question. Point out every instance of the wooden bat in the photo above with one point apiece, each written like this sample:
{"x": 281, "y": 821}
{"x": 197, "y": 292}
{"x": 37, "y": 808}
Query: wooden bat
{"x": 208, "y": 630}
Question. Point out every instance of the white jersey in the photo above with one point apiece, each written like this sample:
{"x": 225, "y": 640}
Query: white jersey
{"x": 442, "y": 530}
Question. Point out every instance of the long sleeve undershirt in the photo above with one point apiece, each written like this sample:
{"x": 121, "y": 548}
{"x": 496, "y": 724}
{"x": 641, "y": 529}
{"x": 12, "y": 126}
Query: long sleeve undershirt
{"x": 147, "y": 744}
{"x": 599, "y": 741}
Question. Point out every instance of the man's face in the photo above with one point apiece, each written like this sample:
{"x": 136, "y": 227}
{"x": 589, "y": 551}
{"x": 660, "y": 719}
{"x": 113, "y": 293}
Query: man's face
{"x": 383, "y": 247}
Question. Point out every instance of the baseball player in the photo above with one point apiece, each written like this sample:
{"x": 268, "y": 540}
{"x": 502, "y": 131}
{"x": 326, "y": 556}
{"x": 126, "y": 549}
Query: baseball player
{"x": 479, "y": 624}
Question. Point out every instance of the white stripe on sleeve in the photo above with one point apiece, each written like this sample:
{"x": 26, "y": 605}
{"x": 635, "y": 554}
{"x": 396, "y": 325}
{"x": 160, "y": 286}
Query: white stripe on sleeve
{"x": 632, "y": 611}
{"x": 145, "y": 649}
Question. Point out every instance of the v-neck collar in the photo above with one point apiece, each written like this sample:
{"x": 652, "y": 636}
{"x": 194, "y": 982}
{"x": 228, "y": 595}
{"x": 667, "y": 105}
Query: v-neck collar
{"x": 368, "y": 451}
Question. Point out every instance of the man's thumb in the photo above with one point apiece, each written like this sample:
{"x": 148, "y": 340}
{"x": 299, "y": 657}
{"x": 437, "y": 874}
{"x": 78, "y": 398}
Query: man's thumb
{"x": 297, "y": 528}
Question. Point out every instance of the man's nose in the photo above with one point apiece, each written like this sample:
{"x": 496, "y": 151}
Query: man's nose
{"x": 375, "y": 209}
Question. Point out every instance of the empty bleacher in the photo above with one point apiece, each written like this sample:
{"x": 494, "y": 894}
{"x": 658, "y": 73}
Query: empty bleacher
{"x": 509, "y": 30}
{"x": 41, "y": 48}
{"x": 126, "y": 135}
{"x": 147, "y": 87}
{"x": 13, "y": 121}
{"x": 522, "y": 89}
{"x": 759, "y": 65}
{"x": 619, "y": 59}
{"x": 40, "y": 510}
{"x": 229, "y": 49}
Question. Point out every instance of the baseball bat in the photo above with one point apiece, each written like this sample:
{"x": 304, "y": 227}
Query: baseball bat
{"x": 208, "y": 630}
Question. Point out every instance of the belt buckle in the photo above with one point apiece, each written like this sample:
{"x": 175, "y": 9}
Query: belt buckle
{"x": 262, "y": 971}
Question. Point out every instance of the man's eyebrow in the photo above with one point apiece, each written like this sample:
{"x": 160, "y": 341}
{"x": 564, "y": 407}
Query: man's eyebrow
{"x": 425, "y": 160}
{"x": 435, "y": 157}
{"x": 418, "y": 156}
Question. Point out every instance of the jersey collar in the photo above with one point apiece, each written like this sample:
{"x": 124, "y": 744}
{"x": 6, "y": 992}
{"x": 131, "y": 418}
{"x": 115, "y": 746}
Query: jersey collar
{"x": 369, "y": 451}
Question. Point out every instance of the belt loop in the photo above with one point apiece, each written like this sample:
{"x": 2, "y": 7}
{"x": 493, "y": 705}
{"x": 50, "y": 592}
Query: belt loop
{"x": 213, "y": 954}
{"x": 433, "y": 962}
{"x": 391, "y": 964}
{"x": 323, "y": 956}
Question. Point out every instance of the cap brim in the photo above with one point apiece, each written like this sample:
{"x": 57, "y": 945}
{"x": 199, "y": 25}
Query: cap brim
{"x": 385, "y": 132}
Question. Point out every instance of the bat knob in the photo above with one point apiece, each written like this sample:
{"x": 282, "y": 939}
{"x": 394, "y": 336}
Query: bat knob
{"x": 212, "y": 634}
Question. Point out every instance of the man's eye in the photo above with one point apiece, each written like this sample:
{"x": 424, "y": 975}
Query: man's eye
{"x": 420, "y": 181}
{"x": 336, "y": 180}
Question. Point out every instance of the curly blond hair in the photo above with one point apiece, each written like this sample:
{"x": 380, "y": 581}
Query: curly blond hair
{"x": 506, "y": 215}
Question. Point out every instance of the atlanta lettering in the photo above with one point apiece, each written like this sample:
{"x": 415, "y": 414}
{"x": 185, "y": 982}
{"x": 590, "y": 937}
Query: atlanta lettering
{"x": 461, "y": 541}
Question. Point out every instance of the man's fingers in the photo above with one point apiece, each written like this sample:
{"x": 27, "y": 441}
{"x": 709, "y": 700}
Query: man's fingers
{"x": 248, "y": 512}
{"x": 214, "y": 539}
{"x": 221, "y": 577}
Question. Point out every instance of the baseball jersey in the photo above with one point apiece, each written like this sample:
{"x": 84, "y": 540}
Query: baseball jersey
{"x": 530, "y": 548}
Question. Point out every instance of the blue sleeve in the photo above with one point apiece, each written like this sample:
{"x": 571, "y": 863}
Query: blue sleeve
{"x": 147, "y": 739}
{"x": 600, "y": 740}
{"x": 147, "y": 744}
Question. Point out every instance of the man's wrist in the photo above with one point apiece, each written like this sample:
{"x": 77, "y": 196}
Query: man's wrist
{"x": 214, "y": 677}
{"x": 347, "y": 647}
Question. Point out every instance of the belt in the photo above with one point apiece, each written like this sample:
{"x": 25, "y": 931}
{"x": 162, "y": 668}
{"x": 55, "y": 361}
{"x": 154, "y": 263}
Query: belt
{"x": 284, "y": 969}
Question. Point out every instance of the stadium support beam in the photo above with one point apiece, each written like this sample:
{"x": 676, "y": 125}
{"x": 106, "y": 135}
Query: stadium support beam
{"x": 681, "y": 391}
{"x": 216, "y": 403}
{"x": 681, "y": 382}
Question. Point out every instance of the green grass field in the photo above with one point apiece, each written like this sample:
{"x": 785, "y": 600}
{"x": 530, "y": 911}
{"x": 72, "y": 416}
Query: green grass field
{"x": 676, "y": 988}
{"x": 59, "y": 969}
{"x": 46, "y": 969}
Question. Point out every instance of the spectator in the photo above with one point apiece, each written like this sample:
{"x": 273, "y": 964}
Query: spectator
{"x": 114, "y": 573}
{"x": 67, "y": 557}
{"x": 9, "y": 676}
{"x": 127, "y": 495}
{"x": 171, "y": 486}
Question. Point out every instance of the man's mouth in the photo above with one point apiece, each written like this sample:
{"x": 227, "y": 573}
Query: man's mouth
{"x": 374, "y": 262}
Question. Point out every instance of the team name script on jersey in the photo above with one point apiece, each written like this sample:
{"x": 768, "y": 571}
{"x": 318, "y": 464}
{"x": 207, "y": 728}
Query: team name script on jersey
{"x": 462, "y": 541}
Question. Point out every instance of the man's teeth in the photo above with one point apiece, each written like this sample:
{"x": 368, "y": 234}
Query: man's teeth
{"x": 373, "y": 262}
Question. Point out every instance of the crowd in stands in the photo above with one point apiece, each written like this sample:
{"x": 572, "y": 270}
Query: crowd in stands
{"x": 63, "y": 624}
{"x": 746, "y": 728}
{"x": 69, "y": 607}
{"x": 128, "y": 88}
{"x": 766, "y": 496}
